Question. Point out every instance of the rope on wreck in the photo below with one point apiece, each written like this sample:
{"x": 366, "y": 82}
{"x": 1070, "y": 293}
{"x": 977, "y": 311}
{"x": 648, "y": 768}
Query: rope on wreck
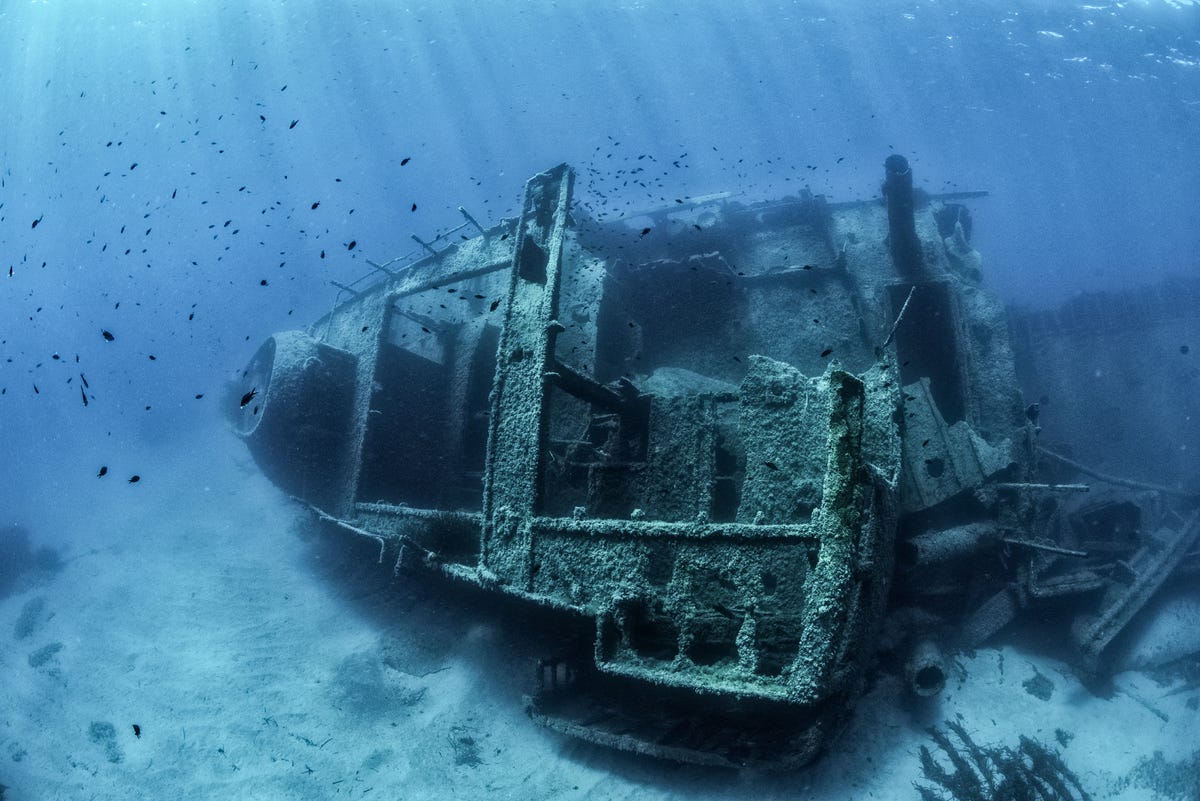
{"x": 429, "y": 556}
{"x": 1115, "y": 480}
{"x": 323, "y": 515}
{"x": 899, "y": 317}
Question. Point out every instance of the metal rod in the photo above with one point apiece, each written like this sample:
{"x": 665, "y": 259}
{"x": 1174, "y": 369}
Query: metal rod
{"x": 471, "y": 220}
{"x": 1038, "y": 546}
{"x": 462, "y": 275}
{"x": 899, "y": 317}
{"x": 446, "y": 234}
{"x": 382, "y": 268}
{"x": 1016, "y": 485}
{"x": 424, "y": 244}
{"x": 345, "y": 288}
{"x": 942, "y": 197}
{"x": 1114, "y": 480}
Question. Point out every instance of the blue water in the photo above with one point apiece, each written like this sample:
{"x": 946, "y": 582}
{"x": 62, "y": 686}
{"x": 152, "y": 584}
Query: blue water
{"x": 1081, "y": 120}
{"x": 188, "y": 176}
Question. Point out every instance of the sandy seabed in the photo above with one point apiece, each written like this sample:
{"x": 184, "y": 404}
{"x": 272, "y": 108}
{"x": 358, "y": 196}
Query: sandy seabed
{"x": 258, "y": 663}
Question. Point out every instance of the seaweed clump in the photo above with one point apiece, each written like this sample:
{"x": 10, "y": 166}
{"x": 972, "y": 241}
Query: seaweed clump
{"x": 1029, "y": 772}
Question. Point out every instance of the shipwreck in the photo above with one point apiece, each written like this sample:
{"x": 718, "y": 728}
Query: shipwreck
{"x": 719, "y": 442}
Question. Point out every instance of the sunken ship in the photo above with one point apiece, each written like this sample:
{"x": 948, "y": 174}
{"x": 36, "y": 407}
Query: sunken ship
{"x": 719, "y": 458}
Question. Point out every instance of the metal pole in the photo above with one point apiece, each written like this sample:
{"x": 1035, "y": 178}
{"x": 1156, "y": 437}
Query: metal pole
{"x": 902, "y": 227}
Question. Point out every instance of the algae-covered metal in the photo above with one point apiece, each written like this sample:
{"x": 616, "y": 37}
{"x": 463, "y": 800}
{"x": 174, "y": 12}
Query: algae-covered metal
{"x": 697, "y": 437}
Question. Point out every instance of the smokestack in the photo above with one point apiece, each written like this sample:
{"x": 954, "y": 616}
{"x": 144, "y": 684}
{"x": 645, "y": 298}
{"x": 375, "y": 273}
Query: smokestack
{"x": 902, "y": 227}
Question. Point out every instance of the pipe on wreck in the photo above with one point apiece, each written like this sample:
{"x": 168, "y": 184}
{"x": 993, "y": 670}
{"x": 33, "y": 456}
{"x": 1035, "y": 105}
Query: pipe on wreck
{"x": 902, "y": 226}
{"x": 936, "y": 548}
{"x": 925, "y": 671}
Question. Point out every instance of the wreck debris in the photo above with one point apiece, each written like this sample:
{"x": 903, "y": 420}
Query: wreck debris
{"x": 948, "y": 545}
{"x": 1146, "y": 571}
{"x": 925, "y": 671}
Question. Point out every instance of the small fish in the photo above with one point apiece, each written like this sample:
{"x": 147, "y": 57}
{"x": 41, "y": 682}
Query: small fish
{"x": 925, "y": 444}
{"x": 315, "y": 204}
{"x": 293, "y": 125}
{"x": 249, "y": 396}
{"x": 405, "y": 160}
{"x": 353, "y": 244}
{"x": 103, "y": 471}
{"x": 495, "y": 304}
{"x": 83, "y": 395}
{"x": 38, "y": 220}
{"x": 153, "y": 358}
{"x": 414, "y": 207}
{"x": 134, "y": 479}
{"x": 199, "y": 395}
{"x": 107, "y": 336}
{"x": 770, "y": 465}
{"x": 137, "y": 731}
{"x": 645, "y": 231}
{"x": 263, "y": 282}
{"x": 826, "y": 352}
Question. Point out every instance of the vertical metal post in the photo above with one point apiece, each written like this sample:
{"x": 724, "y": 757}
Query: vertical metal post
{"x": 517, "y": 426}
{"x": 902, "y": 227}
